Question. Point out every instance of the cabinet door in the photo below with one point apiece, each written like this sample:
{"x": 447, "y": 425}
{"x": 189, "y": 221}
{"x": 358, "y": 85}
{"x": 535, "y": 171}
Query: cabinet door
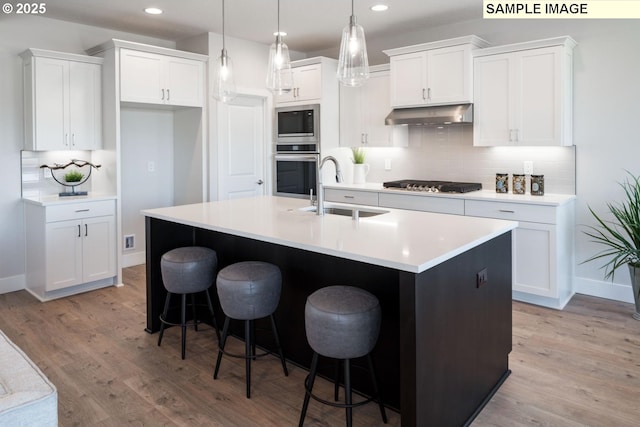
{"x": 376, "y": 106}
{"x": 408, "y": 79}
{"x": 308, "y": 80}
{"x": 534, "y": 265}
{"x": 494, "y": 100}
{"x": 51, "y": 104}
{"x": 141, "y": 77}
{"x": 351, "y": 116}
{"x": 85, "y": 106}
{"x": 539, "y": 97}
{"x": 98, "y": 248}
{"x": 184, "y": 82}
{"x": 64, "y": 254}
{"x": 449, "y": 75}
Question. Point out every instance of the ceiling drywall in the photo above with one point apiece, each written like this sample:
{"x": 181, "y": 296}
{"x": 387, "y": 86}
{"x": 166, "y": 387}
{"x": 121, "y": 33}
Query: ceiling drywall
{"x": 311, "y": 25}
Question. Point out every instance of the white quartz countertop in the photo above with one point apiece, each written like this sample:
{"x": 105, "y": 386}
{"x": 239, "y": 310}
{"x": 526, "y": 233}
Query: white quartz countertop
{"x": 548, "y": 199}
{"x": 399, "y": 239}
{"x": 57, "y": 200}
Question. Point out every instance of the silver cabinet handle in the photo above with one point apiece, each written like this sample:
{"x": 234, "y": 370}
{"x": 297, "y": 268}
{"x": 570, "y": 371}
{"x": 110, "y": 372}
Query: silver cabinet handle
{"x": 162, "y": 94}
{"x": 429, "y": 93}
{"x": 73, "y": 139}
{"x": 506, "y": 211}
{"x": 82, "y": 210}
{"x": 349, "y": 197}
{"x": 66, "y": 139}
{"x": 86, "y": 230}
{"x": 168, "y": 95}
{"x": 424, "y": 96}
{"x": 78, "y": 230}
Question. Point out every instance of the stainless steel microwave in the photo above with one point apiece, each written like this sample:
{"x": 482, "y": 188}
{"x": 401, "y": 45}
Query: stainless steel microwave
{"x": 297, "y": 124}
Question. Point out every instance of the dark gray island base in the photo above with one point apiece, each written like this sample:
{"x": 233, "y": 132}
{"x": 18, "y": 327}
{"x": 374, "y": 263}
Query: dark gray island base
{"x": 445, "y": 340}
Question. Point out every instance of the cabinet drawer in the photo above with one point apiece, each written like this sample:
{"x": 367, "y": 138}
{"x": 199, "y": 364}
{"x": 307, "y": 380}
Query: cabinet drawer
{"x": 423, "y": 203}
{"x": 351, "y": 196}
{"x": 80, "y": 210}
{"x": 513, "y": 211}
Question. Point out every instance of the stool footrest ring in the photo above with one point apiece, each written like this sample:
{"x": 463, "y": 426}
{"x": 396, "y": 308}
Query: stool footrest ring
{"x": 334, "y": 404}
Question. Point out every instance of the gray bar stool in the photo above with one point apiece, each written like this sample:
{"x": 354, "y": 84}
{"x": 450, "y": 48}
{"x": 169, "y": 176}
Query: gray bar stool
{"x": 187, "y": 271}
{"x": 248, "y": 291}
{"x": 343, "y": 323}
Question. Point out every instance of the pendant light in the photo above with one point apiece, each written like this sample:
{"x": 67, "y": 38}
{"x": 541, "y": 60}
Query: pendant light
{"x": 353, "y": 64}
{"x": 279, "y": 75}
{"x": 224, "y": 84}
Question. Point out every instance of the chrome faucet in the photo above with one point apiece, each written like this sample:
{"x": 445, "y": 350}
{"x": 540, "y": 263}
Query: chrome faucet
{"x": 320, "y": 206}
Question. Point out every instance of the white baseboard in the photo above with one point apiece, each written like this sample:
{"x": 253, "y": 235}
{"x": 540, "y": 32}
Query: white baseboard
{"x": 603, "y": 289}
{"x": 130, "y": 259}
{"x": 12, "y": 284}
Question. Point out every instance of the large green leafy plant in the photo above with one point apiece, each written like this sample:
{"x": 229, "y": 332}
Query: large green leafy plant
{"x": 622, "y": 234}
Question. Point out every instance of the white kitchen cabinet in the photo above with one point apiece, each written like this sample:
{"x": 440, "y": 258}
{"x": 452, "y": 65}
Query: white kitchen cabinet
{"x": 152, "y": 78}
{"x": 433, "y": 73}
{"x": 363, "y": 111}
{"x": 307, "y": 84}
{"x": 358, "y": 197}
{"x": 523, "y": 94}
{"x": 437, "y": 204}
{"x": 62, "y": 101}
{"x": 542, "y": 248}
{"x": 70, "y": 245}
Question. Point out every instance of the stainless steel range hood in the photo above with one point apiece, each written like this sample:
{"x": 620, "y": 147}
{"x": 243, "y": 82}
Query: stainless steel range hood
{"x": 460, "y": 114}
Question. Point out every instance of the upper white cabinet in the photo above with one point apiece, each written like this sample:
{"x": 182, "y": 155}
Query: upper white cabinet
{"x": 307, "y": 84}
{"x": 433, "y": 73}
{"x": 62, "y": 101}
{"x": 153, "y": 78}
{"x": 363, "y": 111}
{"x": 523, "y": 94}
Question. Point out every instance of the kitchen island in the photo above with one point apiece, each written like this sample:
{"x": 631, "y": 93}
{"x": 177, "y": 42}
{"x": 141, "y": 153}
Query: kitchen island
{"x": 443, "y": 281}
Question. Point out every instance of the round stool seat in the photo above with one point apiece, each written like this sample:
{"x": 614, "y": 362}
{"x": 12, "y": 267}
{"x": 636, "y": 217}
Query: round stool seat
{"x": 188, "y": 270}
{"x": 249, "y": 290}
{"x": 342, "y": 322}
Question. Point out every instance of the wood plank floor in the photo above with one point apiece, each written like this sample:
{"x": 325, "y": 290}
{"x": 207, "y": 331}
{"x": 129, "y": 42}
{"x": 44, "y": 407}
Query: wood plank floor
{"x": 576, "y": 367}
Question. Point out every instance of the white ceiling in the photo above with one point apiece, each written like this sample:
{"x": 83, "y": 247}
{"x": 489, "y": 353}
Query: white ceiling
{"x": 311, "y": 25}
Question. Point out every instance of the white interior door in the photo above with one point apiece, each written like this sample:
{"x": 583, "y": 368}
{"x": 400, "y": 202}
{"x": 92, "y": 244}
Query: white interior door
{"x": 242, "y": 146}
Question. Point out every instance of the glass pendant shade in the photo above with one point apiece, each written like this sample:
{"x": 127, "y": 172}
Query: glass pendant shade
{"x": 224, "y": 85}
{"x": 353, "y": 64}
{"x": 279, "y": 74}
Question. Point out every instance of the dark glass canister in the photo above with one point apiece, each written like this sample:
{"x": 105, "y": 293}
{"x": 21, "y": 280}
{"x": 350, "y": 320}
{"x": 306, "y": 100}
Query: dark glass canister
{"x": 537, "y": 185}
{"x": 502, "y": 183}
{"x": 519, "y": 185}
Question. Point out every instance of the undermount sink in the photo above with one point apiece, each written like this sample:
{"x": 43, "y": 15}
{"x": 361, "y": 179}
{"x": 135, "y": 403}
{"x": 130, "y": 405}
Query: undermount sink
{"x": 346, "y": 211}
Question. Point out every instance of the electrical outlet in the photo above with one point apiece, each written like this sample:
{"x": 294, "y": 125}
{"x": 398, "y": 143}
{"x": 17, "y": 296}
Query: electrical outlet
{"x": 387, "y": 164}
{"x": 130, "y": 241}
{"x": 527, "y": 167}
{"x": 151, "y": 166}
{"x": 482, "y": 277}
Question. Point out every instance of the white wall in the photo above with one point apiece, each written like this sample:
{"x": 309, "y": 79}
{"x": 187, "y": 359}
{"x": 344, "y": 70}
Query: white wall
{"x": 18, "y": 33}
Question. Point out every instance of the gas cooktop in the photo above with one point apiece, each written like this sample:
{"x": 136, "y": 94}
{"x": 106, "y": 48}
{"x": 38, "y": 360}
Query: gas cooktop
{"x": 433, "y": 186}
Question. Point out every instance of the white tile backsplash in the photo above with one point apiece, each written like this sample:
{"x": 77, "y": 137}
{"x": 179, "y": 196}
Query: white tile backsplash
{"x": 449, "y": 154}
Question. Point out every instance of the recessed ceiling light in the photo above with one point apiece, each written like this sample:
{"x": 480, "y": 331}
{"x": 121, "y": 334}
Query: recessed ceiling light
{"x": 153, "y": 11}
{"x": 379, "y": 7}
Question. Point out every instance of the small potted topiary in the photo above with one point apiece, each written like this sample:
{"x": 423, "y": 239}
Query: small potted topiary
{"x": 73, "y": 176}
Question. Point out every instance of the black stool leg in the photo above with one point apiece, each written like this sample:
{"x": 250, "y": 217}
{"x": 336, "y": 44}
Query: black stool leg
{"x": 213, "y": 315}
{"x": 195, "y": 316}
{"x": 347, "y": 391}
{"x": 277, "y": 338}
{"x": 164, "y": 316}
{"x": 336, "y": 384}
{"x": 247, "y": 353}
{"x": 308, "y": 386}
{"x": 376, "y": 391}
{"x": 253, "y": 339}
{"x": 183, "y": 323}
{"x": 225, "y": 331}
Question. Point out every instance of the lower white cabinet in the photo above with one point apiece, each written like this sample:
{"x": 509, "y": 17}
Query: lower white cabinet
{"x": 446, "y": 205}
{"x": 542, "y": 249}
{"x": 70, "y": 245}
{"x": 357, "y": 197}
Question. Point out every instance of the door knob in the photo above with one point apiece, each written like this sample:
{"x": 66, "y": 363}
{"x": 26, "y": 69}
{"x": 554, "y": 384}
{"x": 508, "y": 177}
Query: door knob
{"x": 260, "y": 182}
